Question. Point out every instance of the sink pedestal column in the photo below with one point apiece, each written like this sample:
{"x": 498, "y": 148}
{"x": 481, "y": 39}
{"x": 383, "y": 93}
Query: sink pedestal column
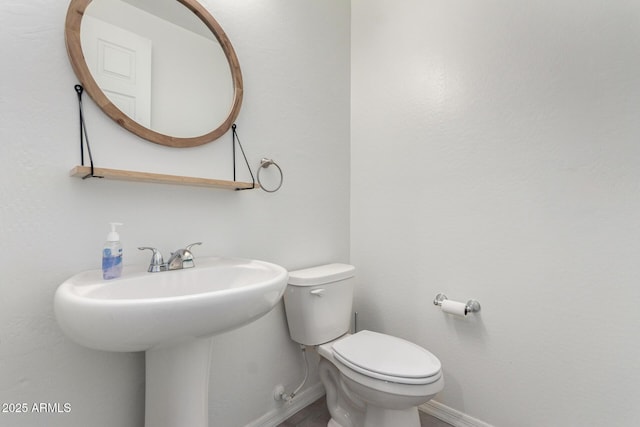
{"x": 177, "y": 389}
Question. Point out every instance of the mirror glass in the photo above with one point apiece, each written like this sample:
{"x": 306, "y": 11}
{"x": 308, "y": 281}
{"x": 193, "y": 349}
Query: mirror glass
{"x": 164, "y": 69}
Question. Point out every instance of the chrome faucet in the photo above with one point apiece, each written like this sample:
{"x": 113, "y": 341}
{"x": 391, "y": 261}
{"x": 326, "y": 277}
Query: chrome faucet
{"x": 182, "y": 258}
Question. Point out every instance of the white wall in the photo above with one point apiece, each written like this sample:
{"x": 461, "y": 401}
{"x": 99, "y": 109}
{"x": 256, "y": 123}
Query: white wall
{"x": 296, "y": 110}
{"x": 496, "y": 156}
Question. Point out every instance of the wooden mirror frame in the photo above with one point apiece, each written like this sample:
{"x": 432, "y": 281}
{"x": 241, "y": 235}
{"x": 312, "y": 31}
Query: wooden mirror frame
{"x": 76, "y": 56}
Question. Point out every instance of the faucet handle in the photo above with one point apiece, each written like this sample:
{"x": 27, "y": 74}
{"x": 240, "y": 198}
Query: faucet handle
{"x": 188, "y": 247}
{"x": 157, "y": 262}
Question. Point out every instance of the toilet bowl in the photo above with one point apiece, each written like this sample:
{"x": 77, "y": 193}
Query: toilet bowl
{"x": 371, "y": 379}
{"x": 390, "y": 376}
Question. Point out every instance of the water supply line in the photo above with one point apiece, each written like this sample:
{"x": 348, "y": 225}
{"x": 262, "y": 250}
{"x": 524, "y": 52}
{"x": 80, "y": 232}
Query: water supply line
{"x": 280, "y": 394}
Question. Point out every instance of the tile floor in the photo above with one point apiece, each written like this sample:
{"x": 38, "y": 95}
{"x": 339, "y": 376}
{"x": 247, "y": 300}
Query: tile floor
{"x": 317, "y": 415}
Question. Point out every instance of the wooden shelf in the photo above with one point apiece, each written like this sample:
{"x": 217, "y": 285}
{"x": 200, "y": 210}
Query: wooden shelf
{"x": 124, "y": 175}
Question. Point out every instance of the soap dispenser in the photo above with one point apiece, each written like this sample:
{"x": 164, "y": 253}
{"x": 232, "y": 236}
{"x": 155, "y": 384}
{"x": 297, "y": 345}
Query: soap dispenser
{"x": 112, "y": 254}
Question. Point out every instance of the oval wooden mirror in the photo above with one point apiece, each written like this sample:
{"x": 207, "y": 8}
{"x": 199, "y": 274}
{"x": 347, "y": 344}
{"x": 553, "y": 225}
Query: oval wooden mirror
{"x": 162, "y": 69}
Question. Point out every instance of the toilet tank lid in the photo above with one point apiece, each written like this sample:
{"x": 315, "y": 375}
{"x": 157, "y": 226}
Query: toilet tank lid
{"x": 321, "y": 274}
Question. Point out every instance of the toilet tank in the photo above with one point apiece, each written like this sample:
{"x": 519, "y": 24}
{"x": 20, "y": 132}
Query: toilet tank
{"x": 318, "y": 303}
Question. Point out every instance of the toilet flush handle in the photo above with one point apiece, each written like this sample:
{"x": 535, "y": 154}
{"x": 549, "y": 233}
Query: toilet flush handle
{"x": 317, "y": 292}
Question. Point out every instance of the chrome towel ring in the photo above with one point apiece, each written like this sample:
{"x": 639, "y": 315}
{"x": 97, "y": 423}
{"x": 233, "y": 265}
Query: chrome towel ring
{"x": 265, "y": 163}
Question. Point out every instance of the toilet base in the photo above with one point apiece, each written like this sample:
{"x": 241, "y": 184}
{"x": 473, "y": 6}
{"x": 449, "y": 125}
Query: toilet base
{"x": 379, "y": 417}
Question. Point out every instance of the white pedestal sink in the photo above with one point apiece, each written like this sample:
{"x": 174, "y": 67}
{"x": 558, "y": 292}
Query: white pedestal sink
{"x": 171, "y": 316}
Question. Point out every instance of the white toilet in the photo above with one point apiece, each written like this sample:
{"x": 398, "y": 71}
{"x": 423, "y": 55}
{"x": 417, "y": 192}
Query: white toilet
{"x": 371, "y": 379}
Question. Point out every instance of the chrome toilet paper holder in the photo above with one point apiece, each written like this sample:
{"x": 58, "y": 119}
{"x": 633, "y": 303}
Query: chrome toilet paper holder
{"x": 472, "y": 305}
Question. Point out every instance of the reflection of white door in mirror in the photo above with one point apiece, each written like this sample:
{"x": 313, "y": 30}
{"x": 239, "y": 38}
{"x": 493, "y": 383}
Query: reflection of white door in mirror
{"x": 120, "y": 62}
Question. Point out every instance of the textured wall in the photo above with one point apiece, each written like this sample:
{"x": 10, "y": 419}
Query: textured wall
{"x": 296, "y": 110}
{"x": 495, "y": 156}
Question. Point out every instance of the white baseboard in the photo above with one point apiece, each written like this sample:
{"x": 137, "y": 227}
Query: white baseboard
{"x": 279, "y": 415}
{"x": 450, "y": 415}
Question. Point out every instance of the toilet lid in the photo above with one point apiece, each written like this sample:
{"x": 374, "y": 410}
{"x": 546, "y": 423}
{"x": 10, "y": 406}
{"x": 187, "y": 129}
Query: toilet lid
{"x": 387, "y": 358}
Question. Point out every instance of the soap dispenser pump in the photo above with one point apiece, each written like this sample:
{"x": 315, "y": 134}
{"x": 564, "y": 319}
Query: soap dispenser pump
{"x": 112, "y": 254}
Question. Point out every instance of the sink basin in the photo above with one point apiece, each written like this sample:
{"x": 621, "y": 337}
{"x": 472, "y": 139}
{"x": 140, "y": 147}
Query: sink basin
{"x": 141, "y": 310}
{"x": 172, "y": 317}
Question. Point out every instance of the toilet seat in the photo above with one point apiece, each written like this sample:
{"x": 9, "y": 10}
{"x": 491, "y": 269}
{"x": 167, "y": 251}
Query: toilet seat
{"x": 387, "y": 358}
